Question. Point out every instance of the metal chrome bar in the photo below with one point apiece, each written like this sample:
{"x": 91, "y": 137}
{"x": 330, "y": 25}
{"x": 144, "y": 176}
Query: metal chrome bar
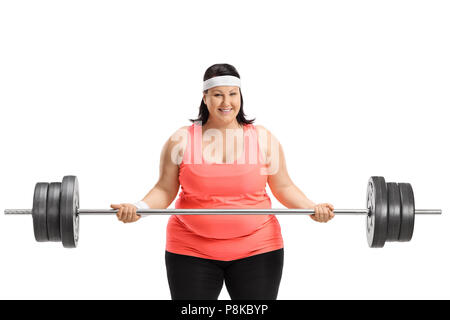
{"x": 222, "y": 211}
{"x": 17, "y": 211}
{"x": 428, "y": 211}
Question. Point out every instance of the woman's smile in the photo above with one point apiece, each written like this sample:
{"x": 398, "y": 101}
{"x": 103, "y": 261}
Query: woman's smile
{"x": 225, "y": 110}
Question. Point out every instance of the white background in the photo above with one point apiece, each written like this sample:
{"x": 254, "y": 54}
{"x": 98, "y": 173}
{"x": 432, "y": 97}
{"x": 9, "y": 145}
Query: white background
{"x": 350, "y": 88}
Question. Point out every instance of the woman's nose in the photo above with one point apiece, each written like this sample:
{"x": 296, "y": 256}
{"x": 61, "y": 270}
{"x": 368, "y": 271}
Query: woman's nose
{"x": 226, "y": 102}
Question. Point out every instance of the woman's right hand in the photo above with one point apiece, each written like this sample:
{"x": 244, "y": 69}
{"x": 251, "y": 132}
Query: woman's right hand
{"x": 323, "y": 212}
{"x": 126, "y": 212}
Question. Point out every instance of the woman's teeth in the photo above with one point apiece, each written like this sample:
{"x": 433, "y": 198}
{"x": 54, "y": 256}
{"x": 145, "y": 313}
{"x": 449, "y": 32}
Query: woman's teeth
{"x": 225, "y": 110}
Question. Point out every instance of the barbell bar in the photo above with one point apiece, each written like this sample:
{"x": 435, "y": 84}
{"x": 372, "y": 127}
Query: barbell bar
{"x": 390, "y": 212}
{"x": 169, "y": 212}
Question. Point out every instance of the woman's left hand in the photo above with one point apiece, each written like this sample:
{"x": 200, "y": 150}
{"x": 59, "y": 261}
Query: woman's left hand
{"x": 323, "y": 212}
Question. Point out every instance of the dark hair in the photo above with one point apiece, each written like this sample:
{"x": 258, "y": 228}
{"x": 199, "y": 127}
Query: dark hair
{"x": 222, "y": 69}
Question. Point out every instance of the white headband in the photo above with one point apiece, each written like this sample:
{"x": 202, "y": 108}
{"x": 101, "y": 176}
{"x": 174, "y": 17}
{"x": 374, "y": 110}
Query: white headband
{"x": 221, "y": 81}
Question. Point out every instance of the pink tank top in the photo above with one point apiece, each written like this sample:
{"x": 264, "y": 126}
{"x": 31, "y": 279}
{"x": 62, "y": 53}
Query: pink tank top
{"x": 237, "y": 185}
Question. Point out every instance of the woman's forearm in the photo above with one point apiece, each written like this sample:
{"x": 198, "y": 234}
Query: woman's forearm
{"x": 158, "y": 198}
{"x": 293, "y": 198}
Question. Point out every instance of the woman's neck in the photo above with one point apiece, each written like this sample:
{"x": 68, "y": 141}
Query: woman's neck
{"x": 221, "y": 127}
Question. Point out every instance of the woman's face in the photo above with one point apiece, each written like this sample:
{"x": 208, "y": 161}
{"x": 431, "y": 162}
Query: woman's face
{"x": 220, "y": 99}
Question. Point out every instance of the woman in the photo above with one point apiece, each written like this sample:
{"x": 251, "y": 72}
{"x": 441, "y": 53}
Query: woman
{"x": 203, "y": 251}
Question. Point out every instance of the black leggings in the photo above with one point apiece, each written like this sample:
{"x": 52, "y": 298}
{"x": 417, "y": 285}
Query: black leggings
{"x": 254, "y": 278}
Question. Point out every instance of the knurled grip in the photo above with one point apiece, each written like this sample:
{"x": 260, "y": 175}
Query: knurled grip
{"x": 17, "y": 211}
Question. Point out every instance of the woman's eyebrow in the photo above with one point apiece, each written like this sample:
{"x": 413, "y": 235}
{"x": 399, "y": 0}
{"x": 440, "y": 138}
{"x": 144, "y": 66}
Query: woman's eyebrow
{"x": 217, "y": 90}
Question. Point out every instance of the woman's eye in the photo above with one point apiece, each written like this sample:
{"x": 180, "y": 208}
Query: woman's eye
{"x": 231, "y": 94}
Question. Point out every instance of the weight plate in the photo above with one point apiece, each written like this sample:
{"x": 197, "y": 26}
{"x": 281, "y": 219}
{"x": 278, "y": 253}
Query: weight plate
{"x": 69, "y": 205}
{"x": 39, "y": 212}
{"x": 53, "y": 221}
{"x": 377, "y": 218}
{"x": 394, "y": 211}
{"x": 407, "y": 212}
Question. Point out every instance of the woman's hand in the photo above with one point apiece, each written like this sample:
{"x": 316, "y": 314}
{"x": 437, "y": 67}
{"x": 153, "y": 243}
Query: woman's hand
{"x": 323, "y": 212}
{"x": 127, "y": 212}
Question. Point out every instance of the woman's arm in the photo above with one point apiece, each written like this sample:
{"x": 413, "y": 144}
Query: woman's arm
{"x": 281, "y": 185}
{"x": 166, "y": 189}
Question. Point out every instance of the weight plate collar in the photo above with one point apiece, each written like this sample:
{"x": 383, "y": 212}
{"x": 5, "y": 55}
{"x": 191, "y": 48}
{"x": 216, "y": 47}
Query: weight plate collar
{"x": 377, "y": 217}
{"x": 68, "y": 211}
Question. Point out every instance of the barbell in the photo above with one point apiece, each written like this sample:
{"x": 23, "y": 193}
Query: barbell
{"x": 390, "y": 212}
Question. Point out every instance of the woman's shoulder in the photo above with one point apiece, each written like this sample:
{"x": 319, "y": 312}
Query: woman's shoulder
{"x": 266, "y": 139}
{"x": 262, "y": 130}
{"x": 181, "y": 130}
{"x": 185, "y": 127}
{"x": 179, "y": 134}
{"x": 175, "y": 145}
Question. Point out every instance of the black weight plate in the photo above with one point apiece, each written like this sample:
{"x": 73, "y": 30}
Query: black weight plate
{"x": 39, "y": 212}
{"x": 53, "y": 221}
{"x": 377, "y": 218}
{"x": 394, "y": 211}
{"x": 408, "y": 210}
{"x": 69, "y": 205}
